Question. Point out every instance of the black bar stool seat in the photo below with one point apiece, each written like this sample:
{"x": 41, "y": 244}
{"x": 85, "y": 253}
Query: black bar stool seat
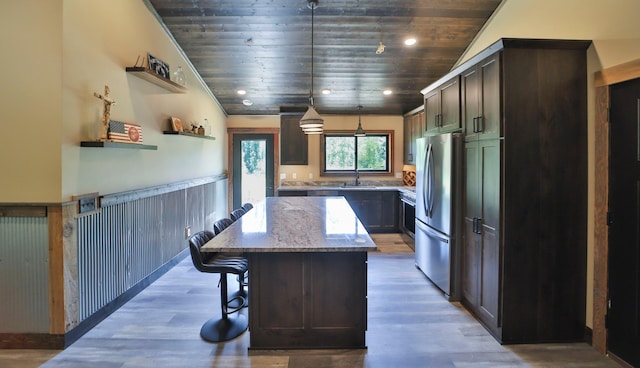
{"x": 226, "y": 327}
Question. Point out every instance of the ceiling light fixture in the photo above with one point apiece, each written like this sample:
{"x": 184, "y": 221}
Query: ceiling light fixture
{"x": 410, "y": 41}
{"x": 380, "y": 49}
{"x": 242, "y": 92}
{"x": 311, "y": 119}
{"x": 387, "y": 92}
{"x": 326, "y": 91}
{"x": 359, "y": 132}
{"x": 247, "y": 102}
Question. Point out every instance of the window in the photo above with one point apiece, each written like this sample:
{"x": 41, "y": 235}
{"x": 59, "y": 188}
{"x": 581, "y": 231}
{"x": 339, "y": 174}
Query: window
{"x": 344, "y": 153}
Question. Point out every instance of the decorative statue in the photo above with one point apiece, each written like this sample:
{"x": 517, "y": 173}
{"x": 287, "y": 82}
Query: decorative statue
{"x": 106, "y": 115}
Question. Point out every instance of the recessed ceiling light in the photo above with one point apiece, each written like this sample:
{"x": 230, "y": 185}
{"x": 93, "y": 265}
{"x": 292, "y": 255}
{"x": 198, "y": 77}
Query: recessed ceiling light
{"x": 410, "y": 41}
{"x": 326, "y": 91}
{"x": 247, "y": 102}
{"x": 242, "y": 92}
{"x": 387, "y": 92}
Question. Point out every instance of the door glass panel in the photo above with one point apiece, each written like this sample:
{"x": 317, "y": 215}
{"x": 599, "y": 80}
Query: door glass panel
{"x": 254, "y": 173}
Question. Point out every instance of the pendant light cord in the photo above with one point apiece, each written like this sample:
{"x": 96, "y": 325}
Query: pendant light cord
{"x": 313, "y": 7}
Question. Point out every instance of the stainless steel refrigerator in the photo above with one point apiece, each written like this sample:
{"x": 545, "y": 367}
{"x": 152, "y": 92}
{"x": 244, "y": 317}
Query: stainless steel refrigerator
{"x": 438, "y": 210}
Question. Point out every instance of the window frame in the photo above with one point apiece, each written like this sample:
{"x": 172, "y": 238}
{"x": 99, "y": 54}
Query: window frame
{"x": 390, "y": 140}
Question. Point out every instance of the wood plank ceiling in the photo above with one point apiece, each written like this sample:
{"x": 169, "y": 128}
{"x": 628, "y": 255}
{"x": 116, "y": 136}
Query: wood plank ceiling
{"x": 264, "y": 47}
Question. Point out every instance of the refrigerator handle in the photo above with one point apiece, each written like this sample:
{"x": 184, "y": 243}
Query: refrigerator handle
{"x": 431, "y": 180}
{"x": 427, "y": 180}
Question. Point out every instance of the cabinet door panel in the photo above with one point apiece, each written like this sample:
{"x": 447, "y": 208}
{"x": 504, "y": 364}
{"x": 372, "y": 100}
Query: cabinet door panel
{"x": 450, "y": 106}
{"x": 470, "y": 103}
{"x": 389, "y": 211}
{"x": 490, "y": 97}
{"x": 490, "y": 295}
{"x": 471, "y": 260}
{"x": 432, "y": 111}
{"x": 490, "y": 178}
{"x": 470, "y": 263}
{"x": 409, "y": 156}
{"x": 294, "y": 146}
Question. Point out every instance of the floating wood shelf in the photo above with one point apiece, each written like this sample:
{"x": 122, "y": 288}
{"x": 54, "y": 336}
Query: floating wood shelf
{"x": 151, "y": 77}
{"x": 171, "y": 132}
{"x": 100, "y": 144}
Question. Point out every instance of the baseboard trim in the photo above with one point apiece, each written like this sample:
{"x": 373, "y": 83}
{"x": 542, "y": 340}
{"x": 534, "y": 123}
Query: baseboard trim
{"x": 50, "y": 341}
{"x": 588, "y": 335}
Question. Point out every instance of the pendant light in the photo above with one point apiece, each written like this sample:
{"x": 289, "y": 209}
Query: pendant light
{"x": 359, "y": 132}
{"x": 311, "y": 119}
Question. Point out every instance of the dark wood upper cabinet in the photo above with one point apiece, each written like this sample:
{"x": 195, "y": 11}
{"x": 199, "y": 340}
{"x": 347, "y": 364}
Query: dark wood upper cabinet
{"x": 442, "y": 107}
{"x": 413, "y": 129}
{"x": 294, "y": 147}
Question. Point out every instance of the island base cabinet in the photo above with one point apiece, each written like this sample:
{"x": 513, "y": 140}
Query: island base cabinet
{"x": 307, "y": 300}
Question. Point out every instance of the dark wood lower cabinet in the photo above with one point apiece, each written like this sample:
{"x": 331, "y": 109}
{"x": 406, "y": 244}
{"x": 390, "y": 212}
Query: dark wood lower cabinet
{"x": 376, "y": 209}
{"x": 307, "y": 300}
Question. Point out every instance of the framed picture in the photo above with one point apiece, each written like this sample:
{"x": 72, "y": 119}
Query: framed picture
{"x": 158, "y": 66}
{"x": 176, "y": 125}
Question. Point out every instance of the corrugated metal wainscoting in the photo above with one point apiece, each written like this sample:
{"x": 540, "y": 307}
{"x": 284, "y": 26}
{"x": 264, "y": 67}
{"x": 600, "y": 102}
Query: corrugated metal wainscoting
{"x": 126, "y": 240}
{"x": 24, "y": 275}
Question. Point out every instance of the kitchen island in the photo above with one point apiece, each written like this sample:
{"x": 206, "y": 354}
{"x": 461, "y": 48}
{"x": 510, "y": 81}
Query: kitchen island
{"x": 307, "y": 272}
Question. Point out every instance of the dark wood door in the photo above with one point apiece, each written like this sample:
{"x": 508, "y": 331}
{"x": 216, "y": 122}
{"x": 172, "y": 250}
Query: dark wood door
{"x": 481, "y": 251}
{"x": 624, "y": 242}
{"x": 481, "y": 100}
{"x": 488, "y": 227}
{"x": 490, "y": 123}
{"x": 294, "y": 143}
{"x": 471, "y": 84}
{"x": 432, "y": 111}
{"x": 408, "y": 141}
{"x": 449, "y": 119}
{"x": 471, "y": 240}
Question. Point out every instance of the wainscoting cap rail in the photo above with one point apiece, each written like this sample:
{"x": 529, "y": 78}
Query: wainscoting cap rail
{"x": 23, "y": 211}
{"x": 122, "y": 197}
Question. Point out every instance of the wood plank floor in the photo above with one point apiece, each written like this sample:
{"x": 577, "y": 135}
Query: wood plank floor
{"x": 410, "y": 324}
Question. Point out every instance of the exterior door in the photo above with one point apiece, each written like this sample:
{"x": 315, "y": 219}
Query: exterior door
{"x": 252, "y": 168}
{"x": 623, "y": 317}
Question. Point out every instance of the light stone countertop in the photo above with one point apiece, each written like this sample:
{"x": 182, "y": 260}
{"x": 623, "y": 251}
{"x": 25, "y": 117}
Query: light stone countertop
{"x": 295, "y": 224}
{"x": 408, "y": 191}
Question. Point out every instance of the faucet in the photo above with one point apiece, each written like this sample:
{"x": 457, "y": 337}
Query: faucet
{"x": 357, "y": 178}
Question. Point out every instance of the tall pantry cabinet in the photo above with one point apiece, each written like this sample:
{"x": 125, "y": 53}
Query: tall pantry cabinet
{"x": 524, "y": 114}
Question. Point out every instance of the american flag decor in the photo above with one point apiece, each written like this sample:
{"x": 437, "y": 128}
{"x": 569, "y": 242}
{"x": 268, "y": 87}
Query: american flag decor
{"x": 124, "y": 132}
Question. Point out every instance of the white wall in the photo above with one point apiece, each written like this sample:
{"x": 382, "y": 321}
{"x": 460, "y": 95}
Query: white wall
{"x": 57, "y": 53}
{"x": 101, "y": 38}
{"x": 615, "y": 31}
{"x": 30, "y": 100}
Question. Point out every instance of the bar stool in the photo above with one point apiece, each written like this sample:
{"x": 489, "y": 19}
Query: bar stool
{"x": 218, "y": 226}
{"x": 237, "y": 213}
{"x": 221, "y": 224}
{"x": 226, "y": 327}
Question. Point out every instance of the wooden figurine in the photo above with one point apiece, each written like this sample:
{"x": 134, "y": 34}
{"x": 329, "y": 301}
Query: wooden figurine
{"x": 106, "y": 114}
